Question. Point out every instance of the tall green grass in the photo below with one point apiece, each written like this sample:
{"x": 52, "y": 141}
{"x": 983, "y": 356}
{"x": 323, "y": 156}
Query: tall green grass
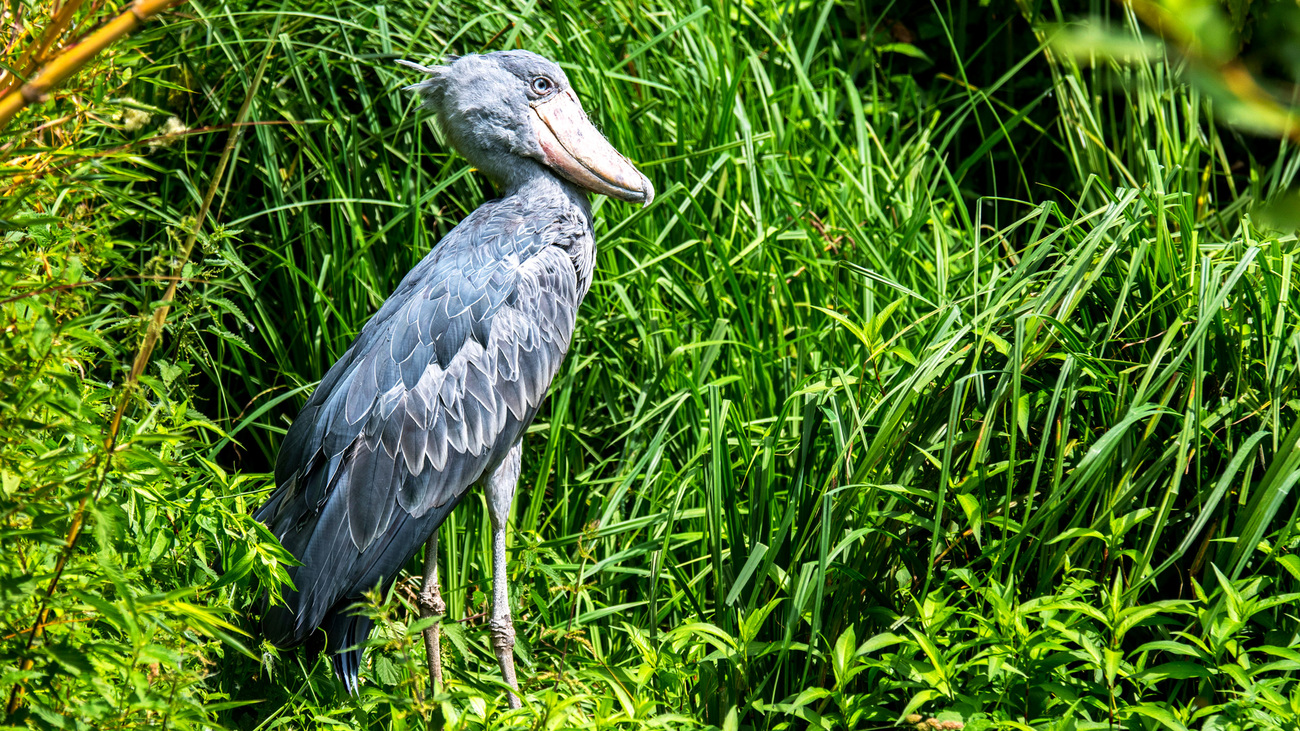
{"x": 953, "y": 378}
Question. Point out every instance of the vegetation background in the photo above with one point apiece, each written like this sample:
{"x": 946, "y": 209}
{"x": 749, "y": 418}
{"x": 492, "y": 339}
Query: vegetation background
{"x": 951, "y": 378}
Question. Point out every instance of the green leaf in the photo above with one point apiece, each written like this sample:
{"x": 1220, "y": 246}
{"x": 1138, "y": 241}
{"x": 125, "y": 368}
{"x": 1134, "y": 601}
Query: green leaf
{"x": 878, "y": 642}
{"x": 1176, "y": 670}
{"x": 1160, "y": 714}
{"x": 907, "y": 49}
{"x": 842, "y": 654}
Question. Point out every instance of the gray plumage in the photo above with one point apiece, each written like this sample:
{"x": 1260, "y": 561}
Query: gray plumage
{"x": 443, "y": 381}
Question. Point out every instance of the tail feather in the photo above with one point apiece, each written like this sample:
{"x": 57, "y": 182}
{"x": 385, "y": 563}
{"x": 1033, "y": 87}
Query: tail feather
{"x": 347, "y": 632}
{"x": 341, "y": 580}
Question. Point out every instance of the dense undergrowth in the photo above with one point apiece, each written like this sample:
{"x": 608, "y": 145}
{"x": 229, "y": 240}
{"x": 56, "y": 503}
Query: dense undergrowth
{"x": 945, "y": 376}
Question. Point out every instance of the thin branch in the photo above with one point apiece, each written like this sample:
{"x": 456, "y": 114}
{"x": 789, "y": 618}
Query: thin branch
{"x": 71, "y": 59}
{"x": 101, "y": 280}
{"x": 35, "y": 54}
{"x": 141, "y": 361}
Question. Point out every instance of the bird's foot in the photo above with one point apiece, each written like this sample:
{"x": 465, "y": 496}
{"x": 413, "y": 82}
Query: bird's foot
{"x": 431, "y": 602}
{"x": 502, "y": 630}
{"x": 432, "y": 605}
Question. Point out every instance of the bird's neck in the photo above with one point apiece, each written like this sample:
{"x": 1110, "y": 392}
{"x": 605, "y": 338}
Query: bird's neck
{"x": 515, "y": 175}
{"x": 534, "y": 182}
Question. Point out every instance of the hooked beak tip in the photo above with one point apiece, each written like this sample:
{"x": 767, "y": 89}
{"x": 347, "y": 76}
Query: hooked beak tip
{"x": 647, "y": 190}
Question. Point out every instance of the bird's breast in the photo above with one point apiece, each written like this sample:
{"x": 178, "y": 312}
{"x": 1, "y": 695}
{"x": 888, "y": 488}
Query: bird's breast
{"x": 573, "y": 234}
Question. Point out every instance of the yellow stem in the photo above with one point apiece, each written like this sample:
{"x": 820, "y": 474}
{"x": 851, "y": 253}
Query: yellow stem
{"x": 70, "y": 60}
{"x": 35, "y": 54}
{"x": 142, "y": 356}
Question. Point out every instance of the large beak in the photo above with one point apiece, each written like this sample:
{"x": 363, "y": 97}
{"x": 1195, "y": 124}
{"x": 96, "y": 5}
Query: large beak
{"x": 579, "y": 152}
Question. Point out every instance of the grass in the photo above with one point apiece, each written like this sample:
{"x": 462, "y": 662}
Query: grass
{"x": 948, "y": 377}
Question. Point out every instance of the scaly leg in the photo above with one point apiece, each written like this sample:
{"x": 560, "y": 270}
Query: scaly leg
{"x": 432, "y": 605}
{"x": 500, "y": 492}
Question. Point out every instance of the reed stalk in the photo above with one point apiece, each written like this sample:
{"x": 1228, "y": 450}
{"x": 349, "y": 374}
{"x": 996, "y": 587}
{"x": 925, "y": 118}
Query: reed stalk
{"x": 71, "y": 59}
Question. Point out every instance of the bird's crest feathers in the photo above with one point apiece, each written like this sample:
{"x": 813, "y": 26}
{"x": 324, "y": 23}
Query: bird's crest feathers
{"x": 431, "y": 87}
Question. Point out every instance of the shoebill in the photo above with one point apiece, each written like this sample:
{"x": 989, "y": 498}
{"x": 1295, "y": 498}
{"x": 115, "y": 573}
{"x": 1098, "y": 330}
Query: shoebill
{"x": 436, "y": 392}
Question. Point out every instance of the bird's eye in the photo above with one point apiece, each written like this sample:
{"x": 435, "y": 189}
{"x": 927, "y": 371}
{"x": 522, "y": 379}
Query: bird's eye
{"x": 542, "y": 85}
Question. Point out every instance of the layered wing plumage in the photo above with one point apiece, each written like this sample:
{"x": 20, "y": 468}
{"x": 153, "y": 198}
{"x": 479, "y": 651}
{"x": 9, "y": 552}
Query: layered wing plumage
{"x": 431, "y": 396}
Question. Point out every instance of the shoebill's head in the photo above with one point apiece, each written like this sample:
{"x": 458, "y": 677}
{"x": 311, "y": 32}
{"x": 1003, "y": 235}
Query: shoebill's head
{"x": 513, "y": 114}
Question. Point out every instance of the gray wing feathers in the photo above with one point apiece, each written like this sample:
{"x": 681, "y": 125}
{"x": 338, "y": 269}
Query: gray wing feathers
{"x": 435, "y": 391}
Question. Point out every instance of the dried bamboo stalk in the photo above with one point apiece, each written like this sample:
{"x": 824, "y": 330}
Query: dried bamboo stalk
{"x": 70, "y": 60}
{"x": 35, "y": 54}
{"x": 151, "y": 338}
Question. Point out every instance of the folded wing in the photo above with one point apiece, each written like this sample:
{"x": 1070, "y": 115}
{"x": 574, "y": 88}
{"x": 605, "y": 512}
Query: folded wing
{"x": 432, "y": 395}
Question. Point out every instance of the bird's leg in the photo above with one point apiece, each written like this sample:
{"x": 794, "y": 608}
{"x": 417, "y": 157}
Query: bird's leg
{"x": 432, "y": 605}
{"x": 501, "y": 491}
